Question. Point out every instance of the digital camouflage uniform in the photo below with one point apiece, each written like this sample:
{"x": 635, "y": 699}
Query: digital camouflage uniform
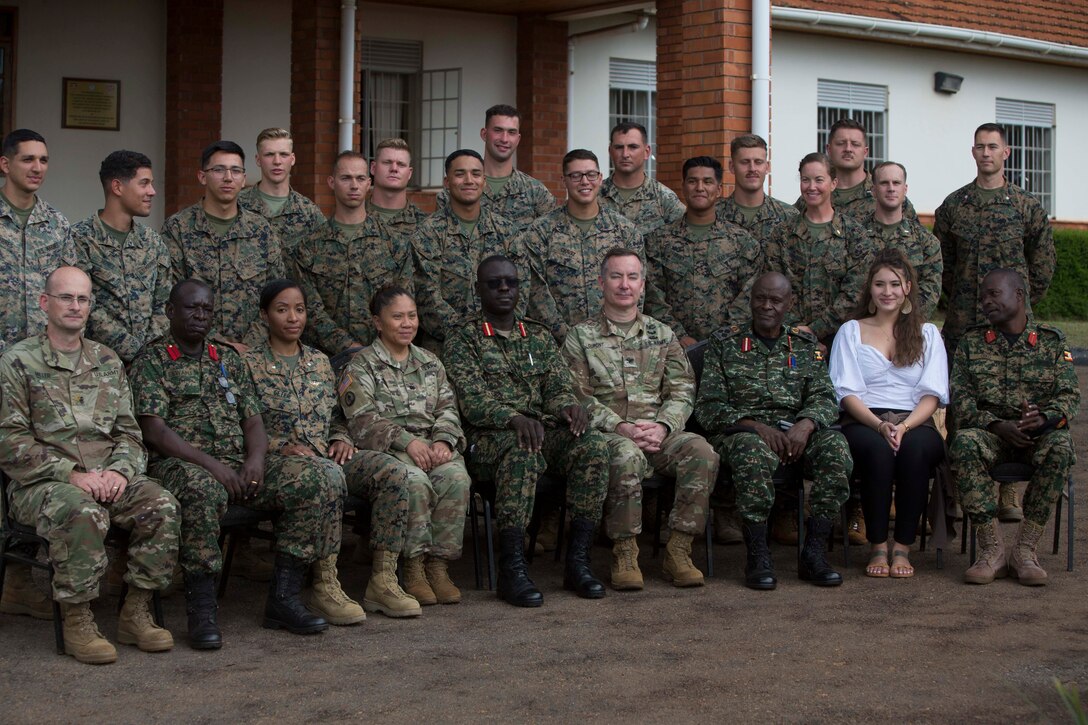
{"x": 743, "y": 378}
{"x": 649, "y": 207}
{"x": 922, "y": 250}
{"x": 236, "y": 266}
{"x": 638, "y": 376}
{"x": 772, "y": 213}
{"x": 60, "y": 416}
{"x": 300, "y": 407}
{"x": 702, "y": 283}
{"x": 445, "y": 267}
{"x": 340, "y": 270}
{"x": 498, "y": 378}
{"x": 990, "y": 379}
{"x": 570, "y": 263}
{"x": 857, "y": 201}
{"x": 388, "y": 405}
{"x": 27, "y": 257}
{"x": 297, "y": 219}
{"x": 826, "y": 273}
{"x": 980, "y": 233}
{"x": 522, "y": 200}
{"x": 401, "y": 224}
{"x": 131, "y": 284}
{"x": 186, "y": 395}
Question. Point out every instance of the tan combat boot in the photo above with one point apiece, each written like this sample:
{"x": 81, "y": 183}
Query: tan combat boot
{"x": 415, "y": 581}
{"x": 383, "y": 593}
{"x": 21, "y": 594}
{"x": 1024, "y": 563}
{"x": 625, "y": 572}
{"x": 82, "y": 639}
{"x": 328, "y": 598}
{"x": 438, "y": 576}
{"x": 547, "y": 536}
{"x": 678, "y": 567}
{"x": 1008, "y": 505}
{"x": 990, "y": 563}
{"x": 137, "y": 626}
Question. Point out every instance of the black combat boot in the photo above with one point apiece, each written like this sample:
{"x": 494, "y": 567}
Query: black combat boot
{"x": 514, "y": 585}
{"x": 578, "y": 575}
{"x": 201, "y": 607}
{"x": 284, "y": 608}
{"x": 758, "y": 567}
{"x": 814, "y": 566}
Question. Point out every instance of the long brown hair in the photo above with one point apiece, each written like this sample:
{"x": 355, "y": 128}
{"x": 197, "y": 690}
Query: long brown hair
{"x": 909, "y": 343}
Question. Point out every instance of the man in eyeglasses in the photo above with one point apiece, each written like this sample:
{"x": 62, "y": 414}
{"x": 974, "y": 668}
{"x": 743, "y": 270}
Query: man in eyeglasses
{"x": 566, "y": 247}
{"x": 233, "y": 250}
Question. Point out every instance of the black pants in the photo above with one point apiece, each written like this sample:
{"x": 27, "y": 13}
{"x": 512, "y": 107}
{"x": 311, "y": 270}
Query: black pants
{"x": 878, "y": 466}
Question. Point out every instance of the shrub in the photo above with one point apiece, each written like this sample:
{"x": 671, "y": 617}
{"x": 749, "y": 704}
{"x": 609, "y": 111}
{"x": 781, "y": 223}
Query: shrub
{"x": 1067, "y": 298}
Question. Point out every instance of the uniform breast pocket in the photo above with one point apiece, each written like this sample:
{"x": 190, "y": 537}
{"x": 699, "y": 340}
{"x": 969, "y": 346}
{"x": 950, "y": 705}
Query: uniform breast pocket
{"x": 1038, "y": 383}
{"x": 186, "y": 401}
{"x": 251, "y": 266}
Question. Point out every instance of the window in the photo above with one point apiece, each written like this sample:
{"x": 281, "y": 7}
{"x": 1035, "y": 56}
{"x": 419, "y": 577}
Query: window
{"x": 441, "y": 124}
{"x": 632, "y": 97}
{"x": 7, "y": 69}
{"x": 866, "y": 104}
{"x": 1029, "y": 130}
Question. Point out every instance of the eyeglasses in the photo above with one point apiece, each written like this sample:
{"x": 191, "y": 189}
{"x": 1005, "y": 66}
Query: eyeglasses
{"x": 67, "y": 300}
{"x": 497, "y": 282}
{"x": 224, "y": 170}
{"x": 579, "y": 175}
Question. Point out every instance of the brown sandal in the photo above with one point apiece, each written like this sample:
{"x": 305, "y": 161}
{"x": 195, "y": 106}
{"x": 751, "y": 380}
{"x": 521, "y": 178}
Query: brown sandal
{"x": 878, "y": 566}
{"x": 908, "y": 567}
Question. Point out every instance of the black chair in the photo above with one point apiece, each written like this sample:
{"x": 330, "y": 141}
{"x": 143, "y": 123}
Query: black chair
{"x": 1015, "y": 473}
{"x": 238, "y": 519}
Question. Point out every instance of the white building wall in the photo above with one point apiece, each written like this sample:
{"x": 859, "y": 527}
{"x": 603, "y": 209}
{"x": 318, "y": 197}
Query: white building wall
{"x": 928, "y": 132}
{"x": 119, "y": 40}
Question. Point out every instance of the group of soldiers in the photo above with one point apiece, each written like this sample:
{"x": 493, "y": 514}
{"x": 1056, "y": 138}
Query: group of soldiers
{"x": 563, "y": 328}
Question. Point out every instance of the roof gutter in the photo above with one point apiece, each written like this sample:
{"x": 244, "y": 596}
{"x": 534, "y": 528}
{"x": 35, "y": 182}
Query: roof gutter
{"x": 923, "y": 34}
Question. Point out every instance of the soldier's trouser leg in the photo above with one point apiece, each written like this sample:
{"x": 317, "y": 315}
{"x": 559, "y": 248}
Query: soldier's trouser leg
{"x": 752, "y": 464}
{"x": 516, "y": 473}
{"x": 202, "y": 501}
{"x": 383, "y": 480}
{"x": 827, "y": 463}
{"x": 297, "y": 488}
{"x": 1053, "y": 457}
{"x": 583, "y": 461}
{"x": 336, "y": 484}
{"x": 691, "y": 460}
{"x": 75, "y": 526}
{"x": 973, "y": 452}
{"x": 437, "y": 501}
{"x": 627, "y": 468}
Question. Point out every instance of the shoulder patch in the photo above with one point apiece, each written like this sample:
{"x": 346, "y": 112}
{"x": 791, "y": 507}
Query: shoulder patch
{"x": 345, "y": 382}
{"x": 1067, "y": 356}
{"x": 817, "y": 355}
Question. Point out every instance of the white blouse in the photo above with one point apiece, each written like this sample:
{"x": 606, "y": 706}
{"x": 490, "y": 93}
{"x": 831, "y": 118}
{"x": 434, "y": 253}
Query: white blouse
{"x": 862, "y": 370}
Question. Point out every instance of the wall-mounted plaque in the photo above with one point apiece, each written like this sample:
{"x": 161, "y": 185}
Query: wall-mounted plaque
{"x": 91, "y": 104}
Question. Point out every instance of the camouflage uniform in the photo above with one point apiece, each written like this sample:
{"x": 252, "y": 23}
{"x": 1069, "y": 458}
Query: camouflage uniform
{"x": 446, "y": 261}
{"x": 701, "y": 284}
{"x": 186, "y": 394}
{"x": 635, "y": 376}
{"x": 772, "y": 213}
{"x": 826, "y": 273}
{"x": 236, "y": 266}
{"x": 300, "y": 407}
{"x": 131, "y": 284}
{"x": 857, "y": 201}
{"x": 522, "y": 200}
{"x": 388, "y": 405}
{"x": 297, "y": 219}
{"x": 60, "y": 416}
{"x": 401, "y": 224}
{"x": 570, "y": 263}
{"x": 922, "y": 250}
{"x": 340, "y": 271}
{"x": 27, "y": 256}
{"x": 499, "y": 378}
{"x": 980, "y": 234}
{"x": 990, "y": 378}
{"x": 649, "y": 207}
{"x": 742, "y": 378}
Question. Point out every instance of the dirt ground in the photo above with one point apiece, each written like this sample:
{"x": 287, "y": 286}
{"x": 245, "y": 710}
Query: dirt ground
{"x": 926, "y": 649}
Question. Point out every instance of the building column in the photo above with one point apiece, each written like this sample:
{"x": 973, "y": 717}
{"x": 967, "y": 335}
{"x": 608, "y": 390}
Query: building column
{"x": 194, "y": 94}
{"x": 704, "y": 68}
{"x": 542, "y": 77}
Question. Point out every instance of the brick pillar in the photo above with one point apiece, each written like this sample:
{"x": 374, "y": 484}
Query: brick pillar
{"x": 194, "y": 94}
{"x": 704, "y": 68}
{"x": 543, "y": 75}
{"x": 315, "y": 94}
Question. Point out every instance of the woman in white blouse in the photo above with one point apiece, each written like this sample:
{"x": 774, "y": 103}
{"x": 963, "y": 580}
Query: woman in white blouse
{"x": 890, "y": 374}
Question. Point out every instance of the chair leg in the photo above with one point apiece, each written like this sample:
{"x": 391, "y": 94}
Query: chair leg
{"x": 475, "y": 529}
{"x": 489, "y": 536}
{"x": 226, "y": 545}
{"x": 58, "y": 626}
{"x": 800, "y": 522}
{"x": 972, "y": 540}
{"x": 1057, "y": 522}
{"x": 940, "y": 558}
{"x": 845, "y": 539}
{"x": 156, "y": 609}
{"x": 1069, "y": 530}
{"x": 709, "y": 533}
{"x": 657, "y": 519}
{"x": 560, "y": 532}
{"x": 965, "y": 523}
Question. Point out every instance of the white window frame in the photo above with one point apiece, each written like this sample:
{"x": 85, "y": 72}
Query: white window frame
{"x": 632, "y": 97}
{"x": 1030, "y": 131}
{"x": 866, "y": 103}
{"x": 440, "y": 118}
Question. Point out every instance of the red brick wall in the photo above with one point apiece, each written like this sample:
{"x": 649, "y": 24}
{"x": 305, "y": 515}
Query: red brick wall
{"x": 543, "y": 74}
{"x": 194, "y": 92}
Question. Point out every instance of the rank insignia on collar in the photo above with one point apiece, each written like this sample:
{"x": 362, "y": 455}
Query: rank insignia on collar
{"x": 1033, "y": 337}
{"x": 1067, "y": 356}
{"x": 521, "y": 329}
{"x": 489, "y": 331}
{"x": 173, "y": 352}
{"x": 213, "y": 353}
{"x": 746, "y": 344}
{"x": 990, "y": 337}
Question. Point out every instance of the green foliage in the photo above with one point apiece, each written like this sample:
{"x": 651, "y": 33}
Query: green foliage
{"x": 1071, "y": 699}
{"x": 1067, "y": 298}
